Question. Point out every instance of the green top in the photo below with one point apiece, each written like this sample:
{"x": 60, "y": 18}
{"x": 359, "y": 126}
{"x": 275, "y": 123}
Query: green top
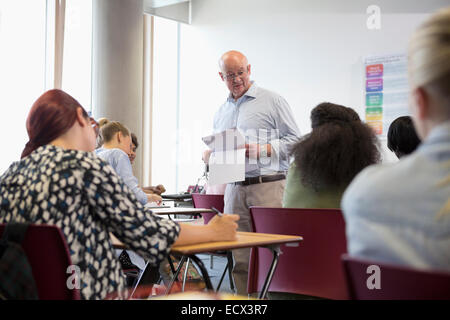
{"x": 297, "y": 195}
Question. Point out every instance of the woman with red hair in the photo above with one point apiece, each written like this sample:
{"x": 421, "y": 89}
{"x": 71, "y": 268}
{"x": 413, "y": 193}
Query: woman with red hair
{"x": 60, "y": 181}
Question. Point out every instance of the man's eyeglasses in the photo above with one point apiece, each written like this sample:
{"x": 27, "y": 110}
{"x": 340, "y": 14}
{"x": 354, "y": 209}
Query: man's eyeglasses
{"x": 232, "y": 76}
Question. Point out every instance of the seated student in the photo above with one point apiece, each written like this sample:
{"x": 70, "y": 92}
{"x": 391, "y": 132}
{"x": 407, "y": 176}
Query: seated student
{"x": 60, "y": 181}
{"x": 328, "y": 158}
{"x": 402, "y": 137}
{"x": 115, "y": 150}
{"x": 400, "y": 213}
{"x": 159, "y": 189}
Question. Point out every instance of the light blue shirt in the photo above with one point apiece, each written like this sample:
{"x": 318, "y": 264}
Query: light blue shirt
{"x": 399, "y": 213}
{"x": 120, "y": 161}
{"x": 263, "y": 117}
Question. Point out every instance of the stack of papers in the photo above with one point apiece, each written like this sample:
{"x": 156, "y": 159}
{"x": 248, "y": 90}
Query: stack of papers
{"x": 227, "y": 161}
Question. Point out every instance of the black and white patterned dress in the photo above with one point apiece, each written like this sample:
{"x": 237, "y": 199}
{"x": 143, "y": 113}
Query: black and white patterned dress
{"x": 82, "y": 195}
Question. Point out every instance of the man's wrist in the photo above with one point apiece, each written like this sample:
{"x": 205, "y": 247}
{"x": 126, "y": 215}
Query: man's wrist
{"x": 265, "y": 150}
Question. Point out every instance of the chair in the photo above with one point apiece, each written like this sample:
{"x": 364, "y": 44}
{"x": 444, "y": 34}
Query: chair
{"x": 48, "y": 255}
{"x": 396, "y": 282}
{"x": 208, "y": 201}
{"x": 312, "y": 267}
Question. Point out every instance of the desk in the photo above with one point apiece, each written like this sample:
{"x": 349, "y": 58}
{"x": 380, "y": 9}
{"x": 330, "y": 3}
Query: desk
{"x": 244, "y": 240}
{"x": 179, "y": 210}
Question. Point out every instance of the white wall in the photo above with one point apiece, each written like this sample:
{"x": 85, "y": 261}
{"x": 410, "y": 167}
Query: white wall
{"x": 309, "y": 52}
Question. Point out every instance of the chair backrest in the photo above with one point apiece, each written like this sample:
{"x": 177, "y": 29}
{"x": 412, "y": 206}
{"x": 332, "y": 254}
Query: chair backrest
{"x": 48, "y": 255}
{"x": 394, "y": 282}
{"x": 314, "y": 266}
{"x": 207, "y": 201}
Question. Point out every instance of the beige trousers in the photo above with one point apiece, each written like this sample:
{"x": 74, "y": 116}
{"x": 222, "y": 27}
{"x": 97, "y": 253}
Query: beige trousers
{"x": 238, "y": 199}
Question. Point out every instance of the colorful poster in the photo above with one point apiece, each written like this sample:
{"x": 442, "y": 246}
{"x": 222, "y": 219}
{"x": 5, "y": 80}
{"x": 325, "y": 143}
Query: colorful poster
{"x": 386, "y": 91}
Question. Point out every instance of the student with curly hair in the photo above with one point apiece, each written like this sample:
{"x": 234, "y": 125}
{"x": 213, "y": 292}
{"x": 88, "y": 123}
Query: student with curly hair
{"x": 328, "y": 158}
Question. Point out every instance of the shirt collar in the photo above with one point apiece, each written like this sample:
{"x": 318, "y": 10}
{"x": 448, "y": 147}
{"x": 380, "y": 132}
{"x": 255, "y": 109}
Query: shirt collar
{"x": 251, "y": 92}
{"x": 439, "y": 133}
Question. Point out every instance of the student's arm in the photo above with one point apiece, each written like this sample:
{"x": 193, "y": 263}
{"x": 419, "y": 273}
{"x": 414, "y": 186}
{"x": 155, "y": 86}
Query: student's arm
{"x": 115, "y": 205}
{"x": 219, "y": 228}
{"x": 125, "y": 171}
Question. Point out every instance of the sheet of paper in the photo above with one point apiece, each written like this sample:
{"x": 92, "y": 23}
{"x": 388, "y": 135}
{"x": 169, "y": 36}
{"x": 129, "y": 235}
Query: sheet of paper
{"x": 230, "y": 139}
{"x": 227, "y": 166}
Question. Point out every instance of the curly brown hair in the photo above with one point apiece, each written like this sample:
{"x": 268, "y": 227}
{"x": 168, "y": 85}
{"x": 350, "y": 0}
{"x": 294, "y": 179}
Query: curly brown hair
{"x": 337, "y": 149}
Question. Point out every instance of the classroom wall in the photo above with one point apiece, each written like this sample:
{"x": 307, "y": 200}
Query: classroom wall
{"x": 308, "y": 51}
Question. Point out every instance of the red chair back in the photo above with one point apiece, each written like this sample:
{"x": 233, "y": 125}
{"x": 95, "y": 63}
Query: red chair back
{"x": 207, "y": 201}
{"x": 314, "y": 266}
{"x": 395, "y": 282}
{"x": 48, "y": 255}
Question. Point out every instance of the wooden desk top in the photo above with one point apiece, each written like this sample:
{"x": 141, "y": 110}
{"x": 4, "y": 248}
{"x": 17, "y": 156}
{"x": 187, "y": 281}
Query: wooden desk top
{"x": 179, "y": 210}
{"x": 245, "y": 240}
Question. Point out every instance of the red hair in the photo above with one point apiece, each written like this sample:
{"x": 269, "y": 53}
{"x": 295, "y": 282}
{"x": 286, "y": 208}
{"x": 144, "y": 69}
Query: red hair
{"x": 52, "y": 115}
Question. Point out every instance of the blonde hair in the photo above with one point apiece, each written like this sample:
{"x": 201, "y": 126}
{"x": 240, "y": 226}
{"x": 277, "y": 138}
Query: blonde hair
{"x": 429, "y": 55}
{"x": 102, "y": 122}
{"x": 109, "y": 130}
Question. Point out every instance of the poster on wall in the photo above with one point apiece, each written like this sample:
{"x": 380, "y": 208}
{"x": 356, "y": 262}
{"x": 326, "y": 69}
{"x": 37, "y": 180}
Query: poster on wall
{"x": 386, "y": 90}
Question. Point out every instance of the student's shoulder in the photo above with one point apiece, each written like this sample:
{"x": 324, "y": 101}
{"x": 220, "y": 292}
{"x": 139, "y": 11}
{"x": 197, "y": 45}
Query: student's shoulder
{"x": 381, "y": 183}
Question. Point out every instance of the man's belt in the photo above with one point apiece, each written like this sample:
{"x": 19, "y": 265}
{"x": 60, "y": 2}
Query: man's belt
{"x": 261, "y": 179}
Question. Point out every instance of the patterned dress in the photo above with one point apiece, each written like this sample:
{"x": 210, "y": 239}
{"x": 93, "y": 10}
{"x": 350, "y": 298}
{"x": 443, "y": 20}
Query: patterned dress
{"x": 82, "y": 195}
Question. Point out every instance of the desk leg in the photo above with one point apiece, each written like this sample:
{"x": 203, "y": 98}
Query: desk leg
{"x": 276, "y": 254}
{"x": 175, "y": 276}
{"x": 203, "y": 270}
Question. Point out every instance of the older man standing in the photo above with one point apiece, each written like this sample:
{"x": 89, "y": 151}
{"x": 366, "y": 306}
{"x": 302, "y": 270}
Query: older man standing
{"x": 267, "y": 122}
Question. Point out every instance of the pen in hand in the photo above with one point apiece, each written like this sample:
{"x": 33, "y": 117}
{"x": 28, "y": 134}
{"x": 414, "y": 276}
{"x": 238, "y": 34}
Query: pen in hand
{"x": 220, "y": 214}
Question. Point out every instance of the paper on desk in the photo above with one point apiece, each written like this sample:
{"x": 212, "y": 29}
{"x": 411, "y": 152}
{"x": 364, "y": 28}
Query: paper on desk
{"x": 227, "y": 161}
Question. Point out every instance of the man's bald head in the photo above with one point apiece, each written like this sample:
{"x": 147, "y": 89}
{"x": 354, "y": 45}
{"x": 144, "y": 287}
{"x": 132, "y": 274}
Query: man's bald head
{"x": 232, "y": 58}
{"x": 235, "y": 72}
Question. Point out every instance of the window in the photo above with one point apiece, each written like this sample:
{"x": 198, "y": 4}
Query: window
{"x": 22, "y": 76}
{"x": 165, "y": 105}
{"x": 76, "y": 76}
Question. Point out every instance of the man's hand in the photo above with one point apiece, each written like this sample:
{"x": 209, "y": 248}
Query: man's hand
{"x": 206, "y": 155}
{"x": 255, "y": 150}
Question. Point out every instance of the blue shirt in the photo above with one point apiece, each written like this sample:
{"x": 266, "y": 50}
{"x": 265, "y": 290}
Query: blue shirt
{"x": 400, "y": 213}
{"x": 120, "y": 161}
{"x": 263, "y": 117}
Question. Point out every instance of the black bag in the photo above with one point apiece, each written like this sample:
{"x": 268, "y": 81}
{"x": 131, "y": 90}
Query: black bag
{"x": 16, "y": 277}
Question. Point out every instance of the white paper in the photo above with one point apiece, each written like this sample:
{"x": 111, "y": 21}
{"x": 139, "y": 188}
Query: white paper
{"x": 227, "y": 166}
{"x": 227, "y": 161}
{"x": 230, "y": 139}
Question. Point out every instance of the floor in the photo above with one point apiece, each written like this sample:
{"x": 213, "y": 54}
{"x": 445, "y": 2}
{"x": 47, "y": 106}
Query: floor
{"x": 219, "y": 264}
